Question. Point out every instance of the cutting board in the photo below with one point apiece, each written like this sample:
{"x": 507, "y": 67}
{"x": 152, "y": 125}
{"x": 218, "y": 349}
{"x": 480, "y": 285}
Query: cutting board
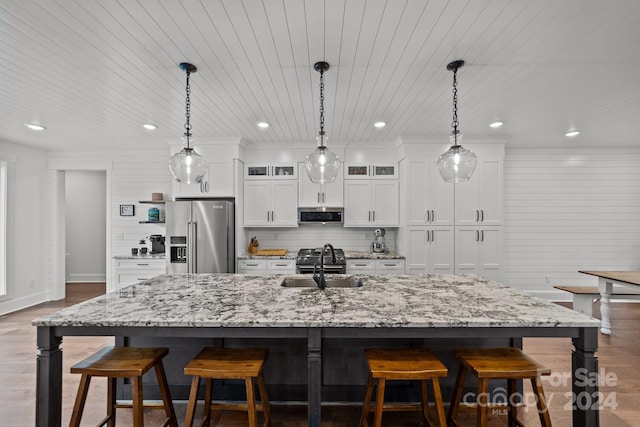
{"x": 271, "y": 252}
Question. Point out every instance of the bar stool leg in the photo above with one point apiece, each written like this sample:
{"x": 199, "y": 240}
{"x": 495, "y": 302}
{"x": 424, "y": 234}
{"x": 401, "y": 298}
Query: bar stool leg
{"x": 193, "y": 398}
{"x": 425, "y": 401}
{"x": 138, "y": 410}
{"x": 482, "y": 401}
{"x": 437, "y": 397}
{"x": 458, "y": 390}
{"x": 265, "y": 401}
{"x": 111, "y": 402}
{"x": 251, "y": 402}
{"x": 166, "y": 395}
{"x": 81, "y": 399}
{"x": 512, "y": 415}
{"x": 208, "y": 397}
{"x": 377, "y": 420}
{"x": 367, "y": 403}
{"x": 543, "y": 410}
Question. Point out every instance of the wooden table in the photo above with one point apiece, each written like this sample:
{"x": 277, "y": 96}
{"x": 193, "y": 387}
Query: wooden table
{"x": 606, "y": 280}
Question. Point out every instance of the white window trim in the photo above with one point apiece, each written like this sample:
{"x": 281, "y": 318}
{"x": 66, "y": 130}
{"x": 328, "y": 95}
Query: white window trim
{"x": 3, "y": 227}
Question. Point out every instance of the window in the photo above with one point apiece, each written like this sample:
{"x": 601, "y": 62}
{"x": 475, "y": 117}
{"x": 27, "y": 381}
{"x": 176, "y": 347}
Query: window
{"x": 3, "y": 228}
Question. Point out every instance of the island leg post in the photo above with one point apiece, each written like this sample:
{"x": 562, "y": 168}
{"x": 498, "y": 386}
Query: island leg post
{"x": 314, "y": 380}
{"x": 605, "y": 288}
{"x": 585, "y": 397}
{"x": 48, "y": 379}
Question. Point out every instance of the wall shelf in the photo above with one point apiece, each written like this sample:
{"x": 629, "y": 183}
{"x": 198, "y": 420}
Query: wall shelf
{"x": 153, "y": 202}
{"x": 151, "y": 222}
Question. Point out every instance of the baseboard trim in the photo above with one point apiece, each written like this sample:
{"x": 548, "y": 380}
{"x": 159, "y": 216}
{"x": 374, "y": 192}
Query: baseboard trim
{"x": 21, "y": 303}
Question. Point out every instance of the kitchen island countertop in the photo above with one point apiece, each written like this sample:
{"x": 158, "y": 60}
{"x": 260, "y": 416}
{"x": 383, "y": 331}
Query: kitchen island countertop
{"x": 232, "y": 300}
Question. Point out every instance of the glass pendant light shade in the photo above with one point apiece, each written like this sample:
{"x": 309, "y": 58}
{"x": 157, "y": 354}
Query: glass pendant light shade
{"x": 322, "y": 165}
{"x": 187, "y": 166}
{"x": 458, "y": 163}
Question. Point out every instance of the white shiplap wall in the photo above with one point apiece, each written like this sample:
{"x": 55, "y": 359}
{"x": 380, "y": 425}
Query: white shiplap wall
{"x": 569, "y": 210}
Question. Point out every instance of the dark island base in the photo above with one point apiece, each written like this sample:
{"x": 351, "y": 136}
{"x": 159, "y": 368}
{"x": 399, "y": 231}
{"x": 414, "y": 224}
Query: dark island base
{"x": 344, "y": 369}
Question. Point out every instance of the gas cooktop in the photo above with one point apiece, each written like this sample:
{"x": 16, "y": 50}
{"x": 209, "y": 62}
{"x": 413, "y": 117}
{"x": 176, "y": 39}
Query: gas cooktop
{"x": 312, "y": 256}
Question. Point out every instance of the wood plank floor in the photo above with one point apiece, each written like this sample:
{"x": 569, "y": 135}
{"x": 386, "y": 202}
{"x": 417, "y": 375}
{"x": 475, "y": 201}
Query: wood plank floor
{"x": 618, "y": 355}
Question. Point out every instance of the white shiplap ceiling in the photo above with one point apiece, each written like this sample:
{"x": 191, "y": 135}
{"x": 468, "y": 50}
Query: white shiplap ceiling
{"x": 92, "y": 72}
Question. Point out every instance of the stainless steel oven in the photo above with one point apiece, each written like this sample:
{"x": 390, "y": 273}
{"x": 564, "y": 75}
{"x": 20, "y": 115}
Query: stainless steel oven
{"x": 307, "y": 258}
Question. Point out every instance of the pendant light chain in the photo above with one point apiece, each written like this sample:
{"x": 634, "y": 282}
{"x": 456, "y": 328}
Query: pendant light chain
{"x": 187, "y": 105}
{"x": 322, "y": 103}
{"x": 455, "y": 123}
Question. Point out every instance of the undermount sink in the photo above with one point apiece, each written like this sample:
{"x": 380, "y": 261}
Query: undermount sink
{"x": 332, "y": 282}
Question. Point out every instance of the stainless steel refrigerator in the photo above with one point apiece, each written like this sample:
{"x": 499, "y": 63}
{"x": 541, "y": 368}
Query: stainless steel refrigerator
{"x": 200, "y": 236}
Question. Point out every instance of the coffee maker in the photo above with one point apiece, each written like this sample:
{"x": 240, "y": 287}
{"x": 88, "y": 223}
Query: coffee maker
{"x": 379, "y": 246}
{"x": 157, "y": 243}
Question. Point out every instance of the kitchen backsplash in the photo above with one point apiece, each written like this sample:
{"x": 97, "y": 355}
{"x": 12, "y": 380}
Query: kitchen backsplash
{"x": 349, "y": 239}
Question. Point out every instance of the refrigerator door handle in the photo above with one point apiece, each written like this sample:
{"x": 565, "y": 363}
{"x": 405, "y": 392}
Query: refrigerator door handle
{"x": 191, "y": 247}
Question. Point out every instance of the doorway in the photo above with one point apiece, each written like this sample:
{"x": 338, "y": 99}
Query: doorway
{"x": 85, "y": 229}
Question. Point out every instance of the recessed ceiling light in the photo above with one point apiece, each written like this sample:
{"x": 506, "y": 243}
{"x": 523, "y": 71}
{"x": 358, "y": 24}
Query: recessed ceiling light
{"x": 34, "y": 126}
{"x": 149, "y": 126}
{"x": 572, "y": 133}
{"x": 496, "y": 124}
{"x": 263, "y": 125}
{"x": 379, "y": 125}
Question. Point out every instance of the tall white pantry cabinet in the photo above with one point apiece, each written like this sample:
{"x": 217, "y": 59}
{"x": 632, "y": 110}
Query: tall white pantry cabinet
{"x": 452, "y": 228}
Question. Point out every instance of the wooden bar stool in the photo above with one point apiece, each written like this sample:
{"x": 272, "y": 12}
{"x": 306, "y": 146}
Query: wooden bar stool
{"x": 499, "y": 363}
{"x": 228, "y": 363}
{"x": 123, "y": 362}
{"x": 405, "y": 364}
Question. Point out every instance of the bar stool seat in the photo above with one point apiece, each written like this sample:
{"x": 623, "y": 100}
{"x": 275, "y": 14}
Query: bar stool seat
{"x": 404, "y": 364}
{"x": 507, "y": 363}
{"x": 228, "y": 363}
{"x": 123, "y": 362}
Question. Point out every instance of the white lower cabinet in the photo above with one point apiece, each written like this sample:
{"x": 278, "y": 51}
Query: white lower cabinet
{"x": 266, "y": 266}
{"x": 375, "y": 266}
{"x": 479, "y": 251}
{"x": 430, "y": 250}
{"x": 132, "y": 271}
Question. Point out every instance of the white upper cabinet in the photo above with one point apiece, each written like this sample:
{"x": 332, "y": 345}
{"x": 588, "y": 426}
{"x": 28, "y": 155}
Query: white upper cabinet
{"x": 270, "y": 171}
{"x": 317, "y": 195}
{"x": 368, "y": 171}
{"x": 372, "y": 203}
{"x": 271, "y": 203}
{"x": 430, "y": 199}
{"x": 479, "y": 200}
{"x": 219, "y": 179}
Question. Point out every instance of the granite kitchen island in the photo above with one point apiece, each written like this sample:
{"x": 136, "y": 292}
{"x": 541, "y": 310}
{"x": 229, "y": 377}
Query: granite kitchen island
{"x": 322, "y": 325}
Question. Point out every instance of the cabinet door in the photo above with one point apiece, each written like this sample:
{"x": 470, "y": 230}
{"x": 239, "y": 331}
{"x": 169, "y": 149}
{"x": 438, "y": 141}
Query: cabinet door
{"x": 479, "y": 200}
{"x": 441, "y": 250}
{"x": 389, "y": 266}
{"x": 257, "y": 203}
{"x": 416, "y": 204}
{"x": 479, "y": 251}
{"x": 429, "y": 198}
{"x": 316, "y": 195}
{"x": 385, "y": 205}
{"x": 181, "y": 189}
{"x": 357, "y": 203}
{"x": 490, "y": 253}
{"x": 430, "y": 250}
{"x": 357, "y": 171}
{"x": 384, "y": 171}
{"x": 466, "y": 250}
{"x": 284, "y": 203}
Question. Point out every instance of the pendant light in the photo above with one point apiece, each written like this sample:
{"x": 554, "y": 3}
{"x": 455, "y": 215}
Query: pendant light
{"x": 186, "y": 165}
{"x": 457, "y": 164}
{"x": 322, "y": 165}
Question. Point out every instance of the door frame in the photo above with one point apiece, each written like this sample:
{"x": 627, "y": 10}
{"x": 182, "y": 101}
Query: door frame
{"x": 56, "y": 226}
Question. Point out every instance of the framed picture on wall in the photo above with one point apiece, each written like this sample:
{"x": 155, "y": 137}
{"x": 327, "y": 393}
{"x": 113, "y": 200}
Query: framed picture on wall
{"x": 127, "y": 210}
